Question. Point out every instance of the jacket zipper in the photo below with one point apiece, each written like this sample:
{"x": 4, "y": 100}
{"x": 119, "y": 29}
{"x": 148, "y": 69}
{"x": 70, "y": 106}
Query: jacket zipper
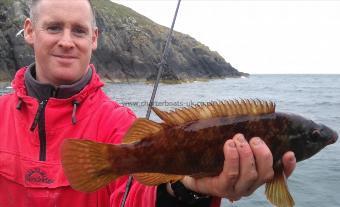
{"x": 39, "y": 121}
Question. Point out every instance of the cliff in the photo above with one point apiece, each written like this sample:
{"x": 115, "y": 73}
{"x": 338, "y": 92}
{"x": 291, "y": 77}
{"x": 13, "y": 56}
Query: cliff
{"x": 130, "y": 47}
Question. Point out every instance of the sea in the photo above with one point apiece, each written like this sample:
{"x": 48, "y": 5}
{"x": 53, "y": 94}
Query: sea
{"x": 316, "y": 181}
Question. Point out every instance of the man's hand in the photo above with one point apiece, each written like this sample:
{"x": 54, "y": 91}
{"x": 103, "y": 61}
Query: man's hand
{"x": 246, "y": 167}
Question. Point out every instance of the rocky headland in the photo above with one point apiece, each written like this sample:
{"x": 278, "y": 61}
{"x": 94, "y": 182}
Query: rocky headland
{"x": 130, "y": 47}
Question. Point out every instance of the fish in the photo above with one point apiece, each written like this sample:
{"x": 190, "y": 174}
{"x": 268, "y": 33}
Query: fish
{"x": 189, "y": 142}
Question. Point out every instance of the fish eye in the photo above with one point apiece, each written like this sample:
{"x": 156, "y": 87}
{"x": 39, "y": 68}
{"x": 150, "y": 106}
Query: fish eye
{"x": 316, "y": 134}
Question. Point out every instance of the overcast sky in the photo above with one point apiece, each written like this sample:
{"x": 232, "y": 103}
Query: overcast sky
{"x": 292, "y": 36}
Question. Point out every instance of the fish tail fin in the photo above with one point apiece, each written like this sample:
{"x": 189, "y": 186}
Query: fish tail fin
{"x": 87, "y": 164}
{"x": 277, "y": 191}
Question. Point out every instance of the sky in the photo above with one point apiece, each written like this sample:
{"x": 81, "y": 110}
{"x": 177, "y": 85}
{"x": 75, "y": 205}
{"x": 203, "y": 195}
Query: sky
{"x": 258, "y": 37}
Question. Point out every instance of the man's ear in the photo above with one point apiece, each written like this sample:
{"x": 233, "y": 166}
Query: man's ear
{"x": 28, "y": 31}
{"x": 95, "y": 38}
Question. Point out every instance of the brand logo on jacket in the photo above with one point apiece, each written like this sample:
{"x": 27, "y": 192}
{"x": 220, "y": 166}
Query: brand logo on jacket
{"x": 37, "y": 175}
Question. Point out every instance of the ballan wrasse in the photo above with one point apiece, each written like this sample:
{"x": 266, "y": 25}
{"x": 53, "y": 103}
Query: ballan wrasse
{"x": 190, "y": 142}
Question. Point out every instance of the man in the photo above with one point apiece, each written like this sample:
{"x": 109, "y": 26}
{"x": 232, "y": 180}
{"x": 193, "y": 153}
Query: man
{"x": 60, "y": 96}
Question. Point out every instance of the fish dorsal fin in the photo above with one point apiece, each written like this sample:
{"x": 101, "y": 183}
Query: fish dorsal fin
{"x": 216, "y": 109}
{"x": 140, "y": 129}
{"x": 156, "y": 178}
{"x": 277, "y": 191}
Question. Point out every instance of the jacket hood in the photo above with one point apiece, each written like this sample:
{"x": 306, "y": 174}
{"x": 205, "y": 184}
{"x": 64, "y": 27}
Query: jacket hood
{"x": 19, "y": 87}
{"x": 78, "y": 105}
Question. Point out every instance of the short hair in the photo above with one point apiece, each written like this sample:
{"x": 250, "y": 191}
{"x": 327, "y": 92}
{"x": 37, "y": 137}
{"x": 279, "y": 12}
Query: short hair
{"x": 33, "y": 11}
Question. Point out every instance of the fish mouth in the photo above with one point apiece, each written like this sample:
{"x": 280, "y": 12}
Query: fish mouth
{"x": 333, "y": 139}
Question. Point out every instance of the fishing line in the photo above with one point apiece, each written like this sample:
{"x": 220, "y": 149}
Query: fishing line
{"x": 159, "y": 74}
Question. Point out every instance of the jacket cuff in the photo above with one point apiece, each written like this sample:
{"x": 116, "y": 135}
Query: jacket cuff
{"x": 164, "y": 199}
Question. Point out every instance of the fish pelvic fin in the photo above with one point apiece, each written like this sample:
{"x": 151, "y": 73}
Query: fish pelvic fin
{"x": 277, "y": 191}
{"x": 156, "y": 178}
{"x": 225, "y": 108}
{"x": 140, "y": 129}
{"x": 87, "y": 164}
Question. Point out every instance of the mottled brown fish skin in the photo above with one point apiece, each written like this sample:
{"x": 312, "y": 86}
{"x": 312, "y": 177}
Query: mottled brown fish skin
{"x": 196, "y": 148}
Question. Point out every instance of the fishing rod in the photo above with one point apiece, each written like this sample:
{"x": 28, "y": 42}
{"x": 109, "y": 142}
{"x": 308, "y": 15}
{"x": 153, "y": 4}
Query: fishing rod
{"x": 153, "y": 95}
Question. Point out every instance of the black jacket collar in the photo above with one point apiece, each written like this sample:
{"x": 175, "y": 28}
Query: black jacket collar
{"x": 42, "y": 91}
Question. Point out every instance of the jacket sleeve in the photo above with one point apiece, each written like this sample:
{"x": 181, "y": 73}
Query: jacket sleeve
{"x": 216, "y": 202}
{"x": 164, "y": 199}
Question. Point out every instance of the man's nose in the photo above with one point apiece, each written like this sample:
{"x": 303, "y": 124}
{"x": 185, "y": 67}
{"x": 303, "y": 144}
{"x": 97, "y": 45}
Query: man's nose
{"x": 66, "y": 40}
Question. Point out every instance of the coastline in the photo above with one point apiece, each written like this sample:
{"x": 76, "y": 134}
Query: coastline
{"x": 170, "y": 82}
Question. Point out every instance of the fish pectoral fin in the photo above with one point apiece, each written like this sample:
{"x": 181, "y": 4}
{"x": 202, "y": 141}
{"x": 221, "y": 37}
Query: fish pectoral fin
{"x": 140, "y": 129}
{"x": 86, "y": 164}
{"x": 156, "y": 178}
{"x": 277, "y": 191}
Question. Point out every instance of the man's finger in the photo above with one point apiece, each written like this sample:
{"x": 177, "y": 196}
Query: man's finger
{"x": 248, "y": 173}
{"x": 230, "y": 172}
{"x": 223, "y": 184}
{"x": 289, "y": 162}
{"x": 264, "y": 162}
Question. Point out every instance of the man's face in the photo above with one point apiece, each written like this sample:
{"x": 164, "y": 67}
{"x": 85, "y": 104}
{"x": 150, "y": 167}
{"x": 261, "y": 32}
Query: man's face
{"x": 63, "y": 38}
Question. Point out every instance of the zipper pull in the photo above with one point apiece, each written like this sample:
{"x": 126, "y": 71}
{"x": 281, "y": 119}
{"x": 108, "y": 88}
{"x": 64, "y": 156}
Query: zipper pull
{"x": 37, "y": 115}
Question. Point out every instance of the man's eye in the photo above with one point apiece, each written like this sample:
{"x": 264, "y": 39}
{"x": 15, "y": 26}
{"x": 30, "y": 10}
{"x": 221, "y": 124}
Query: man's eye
{"x": 53, "y": 29}
{"x": 79, "y": 32}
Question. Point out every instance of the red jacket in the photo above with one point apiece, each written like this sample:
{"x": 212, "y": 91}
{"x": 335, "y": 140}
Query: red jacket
{"x": 27, "y": 181}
